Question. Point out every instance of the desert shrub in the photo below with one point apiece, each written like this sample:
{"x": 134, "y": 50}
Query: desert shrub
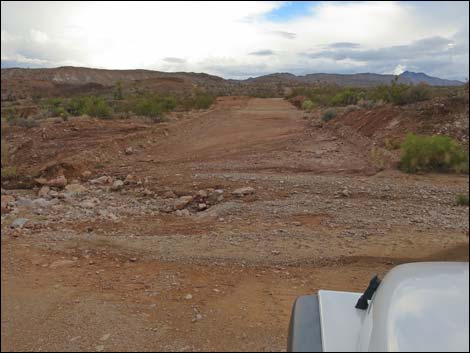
{"x": 77, "y": 106}
{"x": 347, "y": 97}
{"x": 117, "y": 91}
{"x": 462, "y": 200}
{"x": 418, "y": 93}
{"x": 307, "y": 105}
{"x": 392, "y": 144}
{"x": 329, "y": 115}
{"x": 92, "y": 106}
{"x": 148, "y": 107}
{"x": 378, "y": 158}
{"x": 433, "y": 153}
{"x": 203, "y": 101}
{"x": 5, "y": 153}
{"x": 98, "y": 107}
{"x": 400, "y": 93}
{"x": 8, "y": 173}
{"x": 9, "y": 114}
{"x": 27, "y": 123}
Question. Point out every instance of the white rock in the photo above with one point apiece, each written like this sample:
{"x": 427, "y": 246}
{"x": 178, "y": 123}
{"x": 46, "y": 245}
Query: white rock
{"x": 19, "y": 223}
{"x": 44, "y": 191}
{"x": 75, "y": 189}
{"x": 117, "y": 185}
{"x": 247, "y": 190}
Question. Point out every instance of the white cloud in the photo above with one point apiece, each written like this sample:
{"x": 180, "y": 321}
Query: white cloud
{"x": 209, "y": 36}
{"x": 399, "y": 69}
{"x": 38, "y": 37}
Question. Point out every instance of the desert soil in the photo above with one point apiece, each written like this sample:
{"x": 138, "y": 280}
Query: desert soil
{"x": 114, "y": 267}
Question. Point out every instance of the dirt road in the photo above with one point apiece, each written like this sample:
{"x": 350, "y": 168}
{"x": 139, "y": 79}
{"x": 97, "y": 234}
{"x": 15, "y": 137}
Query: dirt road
{"x": 105, "y": 270}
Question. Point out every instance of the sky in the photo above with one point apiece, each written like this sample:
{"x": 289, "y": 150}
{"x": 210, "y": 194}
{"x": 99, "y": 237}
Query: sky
{"x": 240, "y": 39}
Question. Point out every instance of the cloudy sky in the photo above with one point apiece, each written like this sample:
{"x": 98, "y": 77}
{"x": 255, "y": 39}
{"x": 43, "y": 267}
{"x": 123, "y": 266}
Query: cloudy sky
{"x": 240, "y": 39}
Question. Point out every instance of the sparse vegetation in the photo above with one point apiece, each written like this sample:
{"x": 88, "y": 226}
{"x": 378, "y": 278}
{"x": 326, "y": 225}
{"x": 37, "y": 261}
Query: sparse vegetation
{"x": 27, "y": 123}
{"x": 5, "y": 150}
{"x": 433, "y": 153}
{"x": 153, "y": 107}
{"x": 378, "y": 158}
{"x": 329, "y": 115}
{"x": 400, "y": 93}
{"x": 329, "y": 95}
{"x": 7, "y": 171}
{"x": 98, "y": 107}
{"x": 307, "y": 105}
{"x": 392, "y": 144}
{"x": 117, "y": 92}
{"x": 349, "y": 96}
{"x": 462, "y": 200}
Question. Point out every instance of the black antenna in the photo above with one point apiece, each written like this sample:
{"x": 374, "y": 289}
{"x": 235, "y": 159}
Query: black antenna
{"x": 363, "y": 302}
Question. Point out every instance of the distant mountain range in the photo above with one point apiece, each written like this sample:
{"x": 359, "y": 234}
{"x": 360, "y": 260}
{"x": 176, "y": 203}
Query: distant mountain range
{"x": 20, "y": 83}
{"x": 359, "y": 80}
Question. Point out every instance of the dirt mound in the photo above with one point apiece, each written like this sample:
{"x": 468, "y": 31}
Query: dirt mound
{"x": 447, "y": 116}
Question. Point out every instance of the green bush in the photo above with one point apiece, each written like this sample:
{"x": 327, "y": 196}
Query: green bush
{"x": 27, "y": 123}
{"x": 8, "y": 173}
{"x": 462, "y": 200}
{"x": 307, "y": 105}
{"x": 117, "y": 92}
{"x": 347, "y": 97}
{"x": 203, "y": 101}
{"x": 5, "y": 153}
{"x": 97, "y": 107}
{"x": 329, "y": 115}
{"x": 77, "y": 106}
{"x": 400, "y": 93}
{"x": 432, "y": 153}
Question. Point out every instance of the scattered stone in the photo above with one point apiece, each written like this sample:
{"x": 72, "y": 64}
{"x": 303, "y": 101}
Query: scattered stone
{"x": 168, "y": 194}
{"x": 130, "y": 179}
{"x": 344, "y": 193}
{"x": 41, "y": 181}
{"x": 182, "y": 202}
{"x": 44, "y": 191}
{"x": 188, "y": 297}
{"x": 202, "y": 193}
{"x": 75, "y": 189}
{"x": 54, "y": 193}
{"x": 19, "y": 223}
{"x": 147, "y": 192}
{"x": 129, "y": 150}
{"x": 86, "y": 174}
{"x": 275, "y": 252}
{"x": 201, "y": 206}
{"x": 248, "y": 190}
{"x": 107, "y": 214}
{"x": 133, "y": 259}
{"x": 58, "y": 182}
{"x": 43, "y": 203}
{"x": 102, "y": 180}
{"x": 297, "y": 224}
{"x": 24, "y": 202}
{"x": 61, "y": 263}
{"x": 117, "y": 185}
{"x": 7, "y": 200}
{"x": 99, "y": 348}
{"x": 105, "y": 337}
{"x": 89, "y": 203}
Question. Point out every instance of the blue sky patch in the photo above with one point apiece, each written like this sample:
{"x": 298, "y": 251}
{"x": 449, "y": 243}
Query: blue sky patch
{"x": 291, "y": 10}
